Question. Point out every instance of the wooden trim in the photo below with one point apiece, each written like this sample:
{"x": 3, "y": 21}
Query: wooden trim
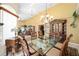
{"x": 58, "y": 21}
{"x": 9, "y": 12}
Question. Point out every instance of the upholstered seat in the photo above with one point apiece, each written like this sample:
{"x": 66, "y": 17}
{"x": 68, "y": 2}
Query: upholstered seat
{"x": 59, "y": 45}
{"x": 53, "y": 52}
{"x": 31, "y": 50}
{"x": 28, "y": 38}
{"x": 35, "y": 54}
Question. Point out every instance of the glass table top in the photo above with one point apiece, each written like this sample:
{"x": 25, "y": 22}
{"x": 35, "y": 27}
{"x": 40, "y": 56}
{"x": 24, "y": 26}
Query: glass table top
{"x": 44, "y": 45}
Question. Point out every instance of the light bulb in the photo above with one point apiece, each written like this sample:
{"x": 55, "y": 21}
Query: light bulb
{"x": 51, "y": 17}
{"x": 47, "y": 15}
{"x": 42, "y": 16}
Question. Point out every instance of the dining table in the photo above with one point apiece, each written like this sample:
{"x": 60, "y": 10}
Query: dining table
{"x": 42, "y": 46}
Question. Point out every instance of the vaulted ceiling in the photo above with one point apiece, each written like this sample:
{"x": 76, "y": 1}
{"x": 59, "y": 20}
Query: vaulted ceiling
{"x": 27, "y": 10}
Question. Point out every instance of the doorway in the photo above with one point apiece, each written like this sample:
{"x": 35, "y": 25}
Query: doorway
{"x": 41, "y": 30}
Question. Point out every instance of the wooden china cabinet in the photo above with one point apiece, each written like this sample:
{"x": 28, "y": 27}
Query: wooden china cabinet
{"x": 58, "y": 29}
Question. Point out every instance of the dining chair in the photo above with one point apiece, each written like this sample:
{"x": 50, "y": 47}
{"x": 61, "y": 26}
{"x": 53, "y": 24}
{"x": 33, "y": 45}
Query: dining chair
{"x": 27, "y": 50}
{"x": 61, "y": 51}
{"x": 59, "y": 45}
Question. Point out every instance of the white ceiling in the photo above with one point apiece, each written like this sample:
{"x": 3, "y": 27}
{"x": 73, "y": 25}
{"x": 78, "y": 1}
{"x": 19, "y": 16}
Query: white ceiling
{"x": 27, "y": 10}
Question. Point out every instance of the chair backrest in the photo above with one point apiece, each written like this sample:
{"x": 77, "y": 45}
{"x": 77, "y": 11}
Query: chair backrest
{"x": 24, "y": 45}
{"x": 65, "y": 45}
{"x": 69, "y": 37}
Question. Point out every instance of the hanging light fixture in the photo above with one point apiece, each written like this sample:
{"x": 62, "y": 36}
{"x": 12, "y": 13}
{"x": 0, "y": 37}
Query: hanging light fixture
{"x": 46, "y": 18}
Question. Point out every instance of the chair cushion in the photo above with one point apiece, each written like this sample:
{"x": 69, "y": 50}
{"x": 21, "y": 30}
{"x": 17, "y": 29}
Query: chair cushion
{"x": 35, "y": 54}
{"x": 59, "y": 45}
{"x": 28, "y": 38}
{"x": 32, "y": 50}
{"x": 53, "y": 52}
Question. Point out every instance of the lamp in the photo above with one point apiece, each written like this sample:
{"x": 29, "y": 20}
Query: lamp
{"x": 46, "y": 18}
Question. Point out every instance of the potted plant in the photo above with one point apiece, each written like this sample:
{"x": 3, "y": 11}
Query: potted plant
{"x": 75, "y": 15}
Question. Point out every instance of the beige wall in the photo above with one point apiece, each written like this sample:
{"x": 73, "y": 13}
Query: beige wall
{"x": 60, "y": 11}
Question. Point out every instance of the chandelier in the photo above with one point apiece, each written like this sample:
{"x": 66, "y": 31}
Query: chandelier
{"x": 46, "y": 18}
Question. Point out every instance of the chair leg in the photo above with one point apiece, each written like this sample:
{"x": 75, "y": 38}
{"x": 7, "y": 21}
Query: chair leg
{"x": 6, "y": 51}
{"x": 23, "y": 51}
{"x": 13, "y": 51}
{"x": 66, "y": 52}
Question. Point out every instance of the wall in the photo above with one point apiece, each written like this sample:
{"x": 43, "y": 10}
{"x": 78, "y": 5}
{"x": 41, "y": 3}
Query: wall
{"x": 8, "y": 29}
{"x": 59, "y": 11}
{"x": 14, "y": 6}
{"x": 10, "y": 23}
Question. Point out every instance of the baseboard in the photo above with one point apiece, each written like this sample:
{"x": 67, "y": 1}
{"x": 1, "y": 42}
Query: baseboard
{"x": 75, "y": 45}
